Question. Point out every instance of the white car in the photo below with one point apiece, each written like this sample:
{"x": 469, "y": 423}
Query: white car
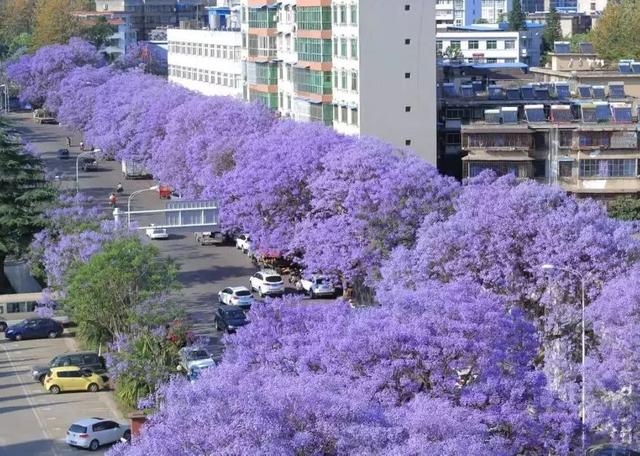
{"x": 317, "y": 285}
{"x": 243, "y": 242}
{"x": 92, "y": 433}
{"x": 236, "y": 296}
{"x": 267, "y": 282}
{"x": 192, "y": 357}
{"x": 157, "y": 233}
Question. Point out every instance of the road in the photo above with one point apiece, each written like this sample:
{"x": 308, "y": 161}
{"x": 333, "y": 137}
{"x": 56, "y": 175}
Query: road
{"x": 42, "y": 419}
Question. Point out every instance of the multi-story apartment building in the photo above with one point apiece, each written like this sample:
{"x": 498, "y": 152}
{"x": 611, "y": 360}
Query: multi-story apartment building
{"x": 494, "y": 11}
{"x": 384, "y": 72}
{"x": 209, "y": 60}
{"x": 457, "y": 12}
{"x": 588, "y": 147}
{"x": 123, "y": 36}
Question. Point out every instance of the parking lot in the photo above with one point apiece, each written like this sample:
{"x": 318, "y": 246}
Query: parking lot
{"x": 33, "y": 422}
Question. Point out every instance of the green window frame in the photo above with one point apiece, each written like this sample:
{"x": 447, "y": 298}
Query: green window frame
{"x": 262, "y": 18}
{"x": 313, "y": 18}
{"x": 313, "y": 50}
{"x": 311, "y": 81}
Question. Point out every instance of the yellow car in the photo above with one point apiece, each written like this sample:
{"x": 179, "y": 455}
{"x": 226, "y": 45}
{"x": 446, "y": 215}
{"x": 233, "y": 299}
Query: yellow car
{"x": 72, "y": 378}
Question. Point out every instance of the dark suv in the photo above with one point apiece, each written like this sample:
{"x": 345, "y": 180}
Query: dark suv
{"x": 34, "y": 328}
{"x": 229, "y": 318}
{"x": 88, "y": 360}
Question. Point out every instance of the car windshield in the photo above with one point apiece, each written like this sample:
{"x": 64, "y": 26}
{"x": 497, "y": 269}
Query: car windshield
{"x": 273, "y": 279}
{"x": 55, "y": 362}
{"x": 235, "y": 314}
{"x": 197, "y": 354}
{"x": 243, "y": 293}
{"x": 78, "y": 429}
{"x": 158, "y": 230}
{"x": 320, "y": 280}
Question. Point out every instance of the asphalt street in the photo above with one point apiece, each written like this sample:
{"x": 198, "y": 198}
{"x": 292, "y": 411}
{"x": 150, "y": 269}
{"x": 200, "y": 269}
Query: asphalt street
{"x": 33, "y": 422}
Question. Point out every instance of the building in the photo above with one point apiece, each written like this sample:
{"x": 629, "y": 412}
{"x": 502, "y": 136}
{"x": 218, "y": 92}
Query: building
{"x": 123, "y": 33}
{"x": 494, "y": 11}
{"x": 307, "y": 60}
{"x": 457, "y": 12}
{"x": 589, "y": 146}
{"x": 147, "y": 15}
{"x": 384, "y": 82}
{"x": 584, "y": 68}
{"x": 208, "y": 60}
{"x": 592, "y": 6}
{"x": 570, "y": 23}
{"x": 492, "y": 43}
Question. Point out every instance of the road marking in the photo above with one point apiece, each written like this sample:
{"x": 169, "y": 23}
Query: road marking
{"x": 29, "y": 400}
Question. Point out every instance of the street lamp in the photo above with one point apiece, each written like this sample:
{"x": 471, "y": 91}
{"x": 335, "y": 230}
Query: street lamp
{"x": 583, "y": 409}
{"x": 150, "y": 189}
{"x": 80, "y": 155}
{"x": 5, "y": 88}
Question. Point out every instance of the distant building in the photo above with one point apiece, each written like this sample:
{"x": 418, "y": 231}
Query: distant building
{"x": 592, "y": 6}
{"x": 492, "y": 43}
{"x": 147, "y": 15}
{"x": 208, "y": 60}
{"x": 570, "y": 23}
{"x": 494, "y": 11}
{"x": 457, "y": 12}
{"x": 123, "y": 36}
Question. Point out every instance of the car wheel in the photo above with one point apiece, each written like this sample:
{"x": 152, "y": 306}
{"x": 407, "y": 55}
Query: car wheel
{"x": 54, "y": 389}
{"x": 311, "y": 294}
{"x": 3, "y": 326}
{"x": 260, "y": 292}
{"x": 53, "y": 334}
{"x": 93, "y": 446}
{"x": 94, "y": 388}
{"x": 19, "y": 337}
{"x": 41, "y": 378}
{"x": 217, "y": 326}
{"x": 127, "y": 436}
{"x": 220, "y": 300}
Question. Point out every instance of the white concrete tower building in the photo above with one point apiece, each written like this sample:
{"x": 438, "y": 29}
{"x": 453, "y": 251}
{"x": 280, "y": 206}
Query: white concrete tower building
{"x": 384, "y": 72}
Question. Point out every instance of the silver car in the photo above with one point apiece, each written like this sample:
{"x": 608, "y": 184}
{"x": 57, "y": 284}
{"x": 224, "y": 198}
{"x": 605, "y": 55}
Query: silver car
{"x": 92, "y": 433}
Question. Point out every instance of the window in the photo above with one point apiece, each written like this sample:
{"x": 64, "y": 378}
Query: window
{"x": 407, "y": 75}
{"x": 343, "y": 14}
{"x": 407, "y": 142}
{"x": 565, "y": 138}
{"x": 492, "y": 60}
{"x": 407, "y": 7}
{"x": 473, "y": 44}
{"x": 593, "y": 6}
{"x": 608, "y": 168}
{"x": 343, "y": 47}
{"x": 438, "y": 45}
{"x": 335, "y": 79}
{"x": 408, "y": 41}
{"x": 335, "y": 112}
{"x": 354, "y": 14}
{"x": 492, "y": 44}
{"x": 354, "y": 116}
{"x": 565, "y": 168}
{"x": 335, "y": 46}
{"x": 343, "y": 114}
{"x": 343, "y": 78}
{"x": 354, "y": 48}
{"x": 453, "y": 139}
{"x": 509, "y": 44}
{"x": 407, "y": 109}
{"x": 335, "y": 14}
{"x": 455, "y": 44}
{"x": 539, "y": 168}
{"x": 354, "y": 81}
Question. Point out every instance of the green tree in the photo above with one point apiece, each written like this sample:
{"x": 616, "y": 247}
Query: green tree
{"x": 123, "y": 286}
{"x": 481, "y": 20}
{"x": 17, "y": 21}
{"x": 99, "y": 33}
{"x": 552, "y": 30}
{"x": 517, "y": 17}
{"x": 625, "y": 208}
{"x": 615, "y": 35}
{"x": 453, "y": 52}
{"x": 54, "y": 21}
{"x": 24, "y": 196}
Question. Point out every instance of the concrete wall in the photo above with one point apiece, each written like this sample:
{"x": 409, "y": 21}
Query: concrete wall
{"x": 385, "y": 92}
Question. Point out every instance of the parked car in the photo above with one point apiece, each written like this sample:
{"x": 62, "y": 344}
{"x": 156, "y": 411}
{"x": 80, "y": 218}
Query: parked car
{"x": 88, "y": 360}
{"x": 3, "y": 324}
{"x": 92, "y": 433}
{"x": 236, "y": 296}
{"x": 211, "y": 238}
{"x": 243, "y": 242}
{"x": 88, "y": 164}
{"x": 611, "y": 450}
{"x": 192, "y": 357}
{"x": 72, "y": 378}
{"x": 63, "y": 153}
{"x": 157, "y": 233}
{"x": 229, "y": 318}
{"x": 267, "y": 282}
{"x": 317, "y": 285}
{"x": 34, "y": 328}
